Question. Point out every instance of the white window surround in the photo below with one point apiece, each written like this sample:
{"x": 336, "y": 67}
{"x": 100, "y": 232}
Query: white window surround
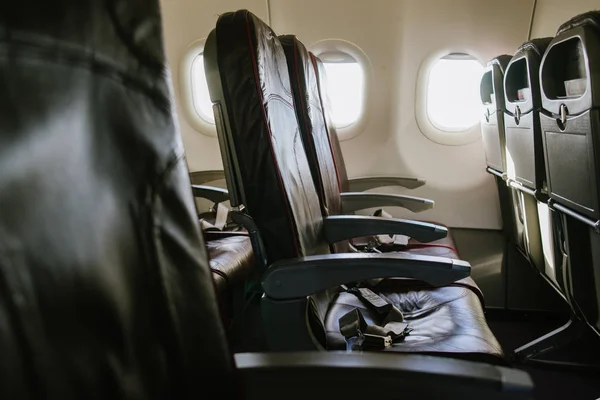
{"x": 344, "y": 46}
{"x": 199, "y": 122}
{"x": 445, "y": 136}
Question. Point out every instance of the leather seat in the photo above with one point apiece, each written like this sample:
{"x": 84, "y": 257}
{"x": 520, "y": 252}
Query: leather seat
{"x": 279, "y": 193}
{"x": 232, "y": 263}
{"x": 98, "y": 131}
{"x": 320, "y": 139}
{"x": 105, "y": 287}
{"x": 442, "y": 320}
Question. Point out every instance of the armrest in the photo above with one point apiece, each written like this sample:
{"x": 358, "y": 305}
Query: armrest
{"x": 344, "y": 227}
{"x": 214, "y": 194}
{"x": 304, "y": 276}
{"x": 372, "y": 182}
{"x": 331, "y": 375}
{"x": 352, "y": 201}
{"x": 200, "y": 177}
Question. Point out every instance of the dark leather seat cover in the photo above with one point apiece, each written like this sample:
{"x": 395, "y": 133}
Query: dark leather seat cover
{"x": 105, "y": 287}
{"x": 590, "y": 19}
{"x": 445, "y": 321}
{"x": 276, "y": 177}
{"x": 231, "y": 261}
{"x": 281, "y": 195}
{"x": 320, "y": 139}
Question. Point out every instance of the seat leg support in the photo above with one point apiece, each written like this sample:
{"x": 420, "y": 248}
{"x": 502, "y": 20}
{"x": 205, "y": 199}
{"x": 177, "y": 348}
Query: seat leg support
{"x": 573, "y": 331}
{"x": 286, "y": 324}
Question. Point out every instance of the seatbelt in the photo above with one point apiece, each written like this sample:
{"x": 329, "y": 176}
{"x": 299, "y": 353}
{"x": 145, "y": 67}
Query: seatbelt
{"x": 400, "y": 240}
{"x": 221, "y": 215}
{"x": 360, "y": 335}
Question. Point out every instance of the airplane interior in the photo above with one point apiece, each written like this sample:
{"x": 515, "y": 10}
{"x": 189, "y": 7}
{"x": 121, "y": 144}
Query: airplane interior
{"x": 279, "y": 199}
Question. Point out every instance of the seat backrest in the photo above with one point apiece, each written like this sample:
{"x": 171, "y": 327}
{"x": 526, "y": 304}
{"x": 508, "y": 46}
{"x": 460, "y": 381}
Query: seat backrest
{"x": 250, "y": 88}
{"x": 313, "y": 126}
{"x": 105, "y": 288}
{"x": 494, "y": 143}
{"x": 524, "y": 150}
{"x": 570, "y": 81}
{"x": 492, "y": 123}
{"x": 523, "y": 102}
{"x": 333, "y": 137}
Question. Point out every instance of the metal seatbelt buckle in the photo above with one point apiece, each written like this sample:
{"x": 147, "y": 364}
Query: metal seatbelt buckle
{"x": 376, "y": 342}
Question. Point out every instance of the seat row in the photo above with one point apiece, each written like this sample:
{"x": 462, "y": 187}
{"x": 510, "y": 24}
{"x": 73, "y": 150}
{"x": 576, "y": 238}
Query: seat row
{"x": 106, "y": 289}
{"x": 279, "y": 154}
{"x": 541, "y": 131}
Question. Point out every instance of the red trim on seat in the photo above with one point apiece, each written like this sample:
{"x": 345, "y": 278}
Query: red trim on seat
{"x": 425, "y": 245}
{"x": 225, "y": 233}
{"x": 266, "y": 122}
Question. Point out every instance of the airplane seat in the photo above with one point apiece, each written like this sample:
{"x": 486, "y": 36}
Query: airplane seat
{"x": 328, "y": 153}
{"x": 231, "y": 261}
{"x": 494, "y": 143}
{"x": 105, "y": 286}
{"x": 524, "y": 151}
{"x": 269, "y": 173}
{"x": 570, "y": 121}
{"x": 231, "y": 258}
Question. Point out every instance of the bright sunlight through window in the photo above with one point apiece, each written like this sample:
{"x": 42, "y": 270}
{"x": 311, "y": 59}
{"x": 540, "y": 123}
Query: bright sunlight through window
{"x": 453, "y": 102}
{"x": 345, "y": 88}
{"x": 200, "y": 96}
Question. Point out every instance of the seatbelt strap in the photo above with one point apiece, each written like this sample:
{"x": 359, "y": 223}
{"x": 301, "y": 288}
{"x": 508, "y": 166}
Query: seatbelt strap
{"x": 360, "y": 335}
{"x": 221, "y": 215}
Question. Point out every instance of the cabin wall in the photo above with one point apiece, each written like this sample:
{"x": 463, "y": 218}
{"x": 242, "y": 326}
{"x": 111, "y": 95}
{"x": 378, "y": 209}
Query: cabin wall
{"x": 550, "y": 14}
{"x": 396, "y": 35}
{"x": 185, "y": 21}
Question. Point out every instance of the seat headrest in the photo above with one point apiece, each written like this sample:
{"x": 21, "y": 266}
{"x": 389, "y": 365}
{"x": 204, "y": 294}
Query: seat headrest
{"x": 502, "y": 61}
{"x": 589, "y": 19}
{"x": 538, "y": 46}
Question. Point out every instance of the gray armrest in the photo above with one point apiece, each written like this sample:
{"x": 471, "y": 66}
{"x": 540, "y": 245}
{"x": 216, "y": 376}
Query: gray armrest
{"x": 214, "y": 194}
{"x": 352, "y": 201}
{"x": 300, "y": 277}
{"x": 344, "y": 227}
{"x": 372, "y": 182}
{"x": 200, "y": 177}
{"x": 334, "y": 375}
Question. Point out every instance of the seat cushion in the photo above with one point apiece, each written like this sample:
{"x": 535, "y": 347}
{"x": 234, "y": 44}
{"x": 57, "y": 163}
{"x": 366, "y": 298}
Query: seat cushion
{"x": 446, "y": 321}
{"x": 231, "y": 262}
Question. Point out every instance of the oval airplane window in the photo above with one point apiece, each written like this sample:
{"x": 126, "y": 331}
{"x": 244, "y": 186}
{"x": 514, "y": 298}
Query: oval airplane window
{"x": 345, "y": 87}
{"x": 448, "y": 103}
{"x": 348, "y": 75}
{"x": 200, "y": 95}
{"x": 194, "y": 90}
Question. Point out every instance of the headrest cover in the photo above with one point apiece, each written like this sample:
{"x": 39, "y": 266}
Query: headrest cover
{"x": 502, "y": 61}
{"x": 538, "y": 46}
{"x": 590, "y": 19}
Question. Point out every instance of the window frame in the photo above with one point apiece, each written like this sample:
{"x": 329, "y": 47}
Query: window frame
{"x": 350, "y": 49}
{"x": 435, "y": 133}
{"x": 193, "y": 116}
